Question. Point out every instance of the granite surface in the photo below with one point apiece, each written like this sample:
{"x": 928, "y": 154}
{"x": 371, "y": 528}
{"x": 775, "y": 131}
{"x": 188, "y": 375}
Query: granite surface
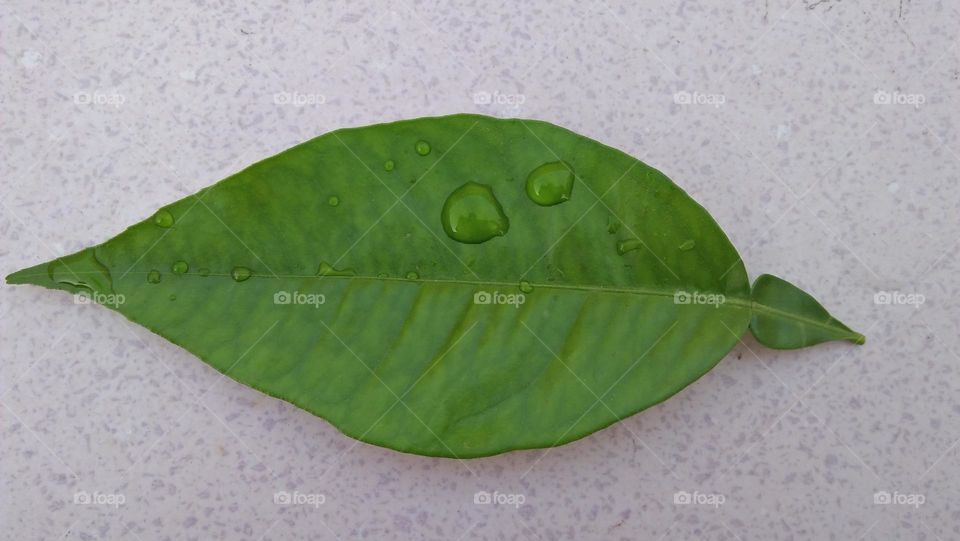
{"x": 822, "y": 135}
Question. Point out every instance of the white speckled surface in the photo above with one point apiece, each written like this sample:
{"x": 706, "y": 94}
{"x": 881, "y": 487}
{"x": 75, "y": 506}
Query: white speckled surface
{"x": 109, "y": 110}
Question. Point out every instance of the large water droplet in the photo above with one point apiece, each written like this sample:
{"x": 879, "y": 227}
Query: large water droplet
{"x": 240, "y": 274}
{"x": 81, "y": 271}
{"x": 153, "y": 277}
{"x": 688, "y": 245}
{"x": 525, "y": 287}
{"x": 333, "y": 201}
{"x": 326, "y": 269}
{"x": 423, "y": 148}
{"x": 180, "y": 267}
{"x": 163, "y": 218}
{"x": 471, "y": 214}
{"x": 550, "y": 184}
{"x": 389, "y": 165}
{"x": 628, "y": 245}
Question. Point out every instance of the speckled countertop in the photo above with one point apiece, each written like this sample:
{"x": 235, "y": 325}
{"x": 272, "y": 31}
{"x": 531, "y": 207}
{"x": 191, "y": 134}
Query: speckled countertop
{"x": 822, "y": 135}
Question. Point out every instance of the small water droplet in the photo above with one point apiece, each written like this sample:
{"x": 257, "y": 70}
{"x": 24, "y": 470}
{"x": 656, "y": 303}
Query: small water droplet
{"x": 204, "y": 272}
{"x": 688, "y": 245}
{"x": 173, "y": 297}
{"x": 423, "y": 147}
{"x": 333, "y": 201}
{"x": 389, "y": 165}
{"x": 180, "y": 267}
{"x": 525, "y": 286}
{"x": 326, "y": 269}
{"x": 382, "y": 275}
{"x": 240, "y": 274}
{"x": 153, "y": 277}
{"x": 471, "y": 214}
{"x": 628, "y": 245}
{"x": 163, "y": 218}
{"x": 550, "y": 184}
{"x": 412, "y": 275}
{"x": 613, "y": 225}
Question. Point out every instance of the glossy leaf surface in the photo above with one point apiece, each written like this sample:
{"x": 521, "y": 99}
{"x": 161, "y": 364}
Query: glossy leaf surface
{"x": 403, "y": 282}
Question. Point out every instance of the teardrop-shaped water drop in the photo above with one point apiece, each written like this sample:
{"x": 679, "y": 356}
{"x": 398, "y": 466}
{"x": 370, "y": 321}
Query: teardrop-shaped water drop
{"x": 550, "y": 184}
{"x": 180, "y": 267}
{"x": 326, "y": 269}
{"x": 240, "y": 274}
{"x": 471, "y": 214}
{"x": 628, "y": 245}
{"x": 688, "y": 245}
{"x": 163, "y": 218}
{"x": 423, "y": 147}
{"x": 153, "y": 277}
{"x": 389, "y": 165}
{"x": 525, "y": 286}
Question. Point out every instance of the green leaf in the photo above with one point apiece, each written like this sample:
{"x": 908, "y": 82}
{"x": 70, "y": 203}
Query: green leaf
{"x": 785, "y": 317}
{"x": 456, "y": 286}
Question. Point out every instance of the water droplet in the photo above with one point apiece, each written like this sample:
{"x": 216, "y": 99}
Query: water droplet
{"x": 81, "y": 271}
{"x": 153, "y": 277}
{"x": 550, "y": 184}
{"x": 628, "y": 245}
{"x": 613, "y": 225}
{"x": 327, "y": 269}
{"x": 173, "y": 297}
{"x": 471, "y": 214}
{"x": 389, "y": 165}
{"x": 240, "y": 274}
{"x": 688, "y": 245}
{"x": 412, "y": 275}
{"x": 204, "y": 272}
{"x": 382, "y": 275}
{"x": 423, "y": 148}
{"x": 163, "y": 218}
{"x": 525, "y": 286}
{"x": 333, "y": 201}
{"x": 180, "y": 267}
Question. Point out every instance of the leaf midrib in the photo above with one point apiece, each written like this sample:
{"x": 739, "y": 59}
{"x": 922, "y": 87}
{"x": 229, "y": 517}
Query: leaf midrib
{"x": 750, "y": 304}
